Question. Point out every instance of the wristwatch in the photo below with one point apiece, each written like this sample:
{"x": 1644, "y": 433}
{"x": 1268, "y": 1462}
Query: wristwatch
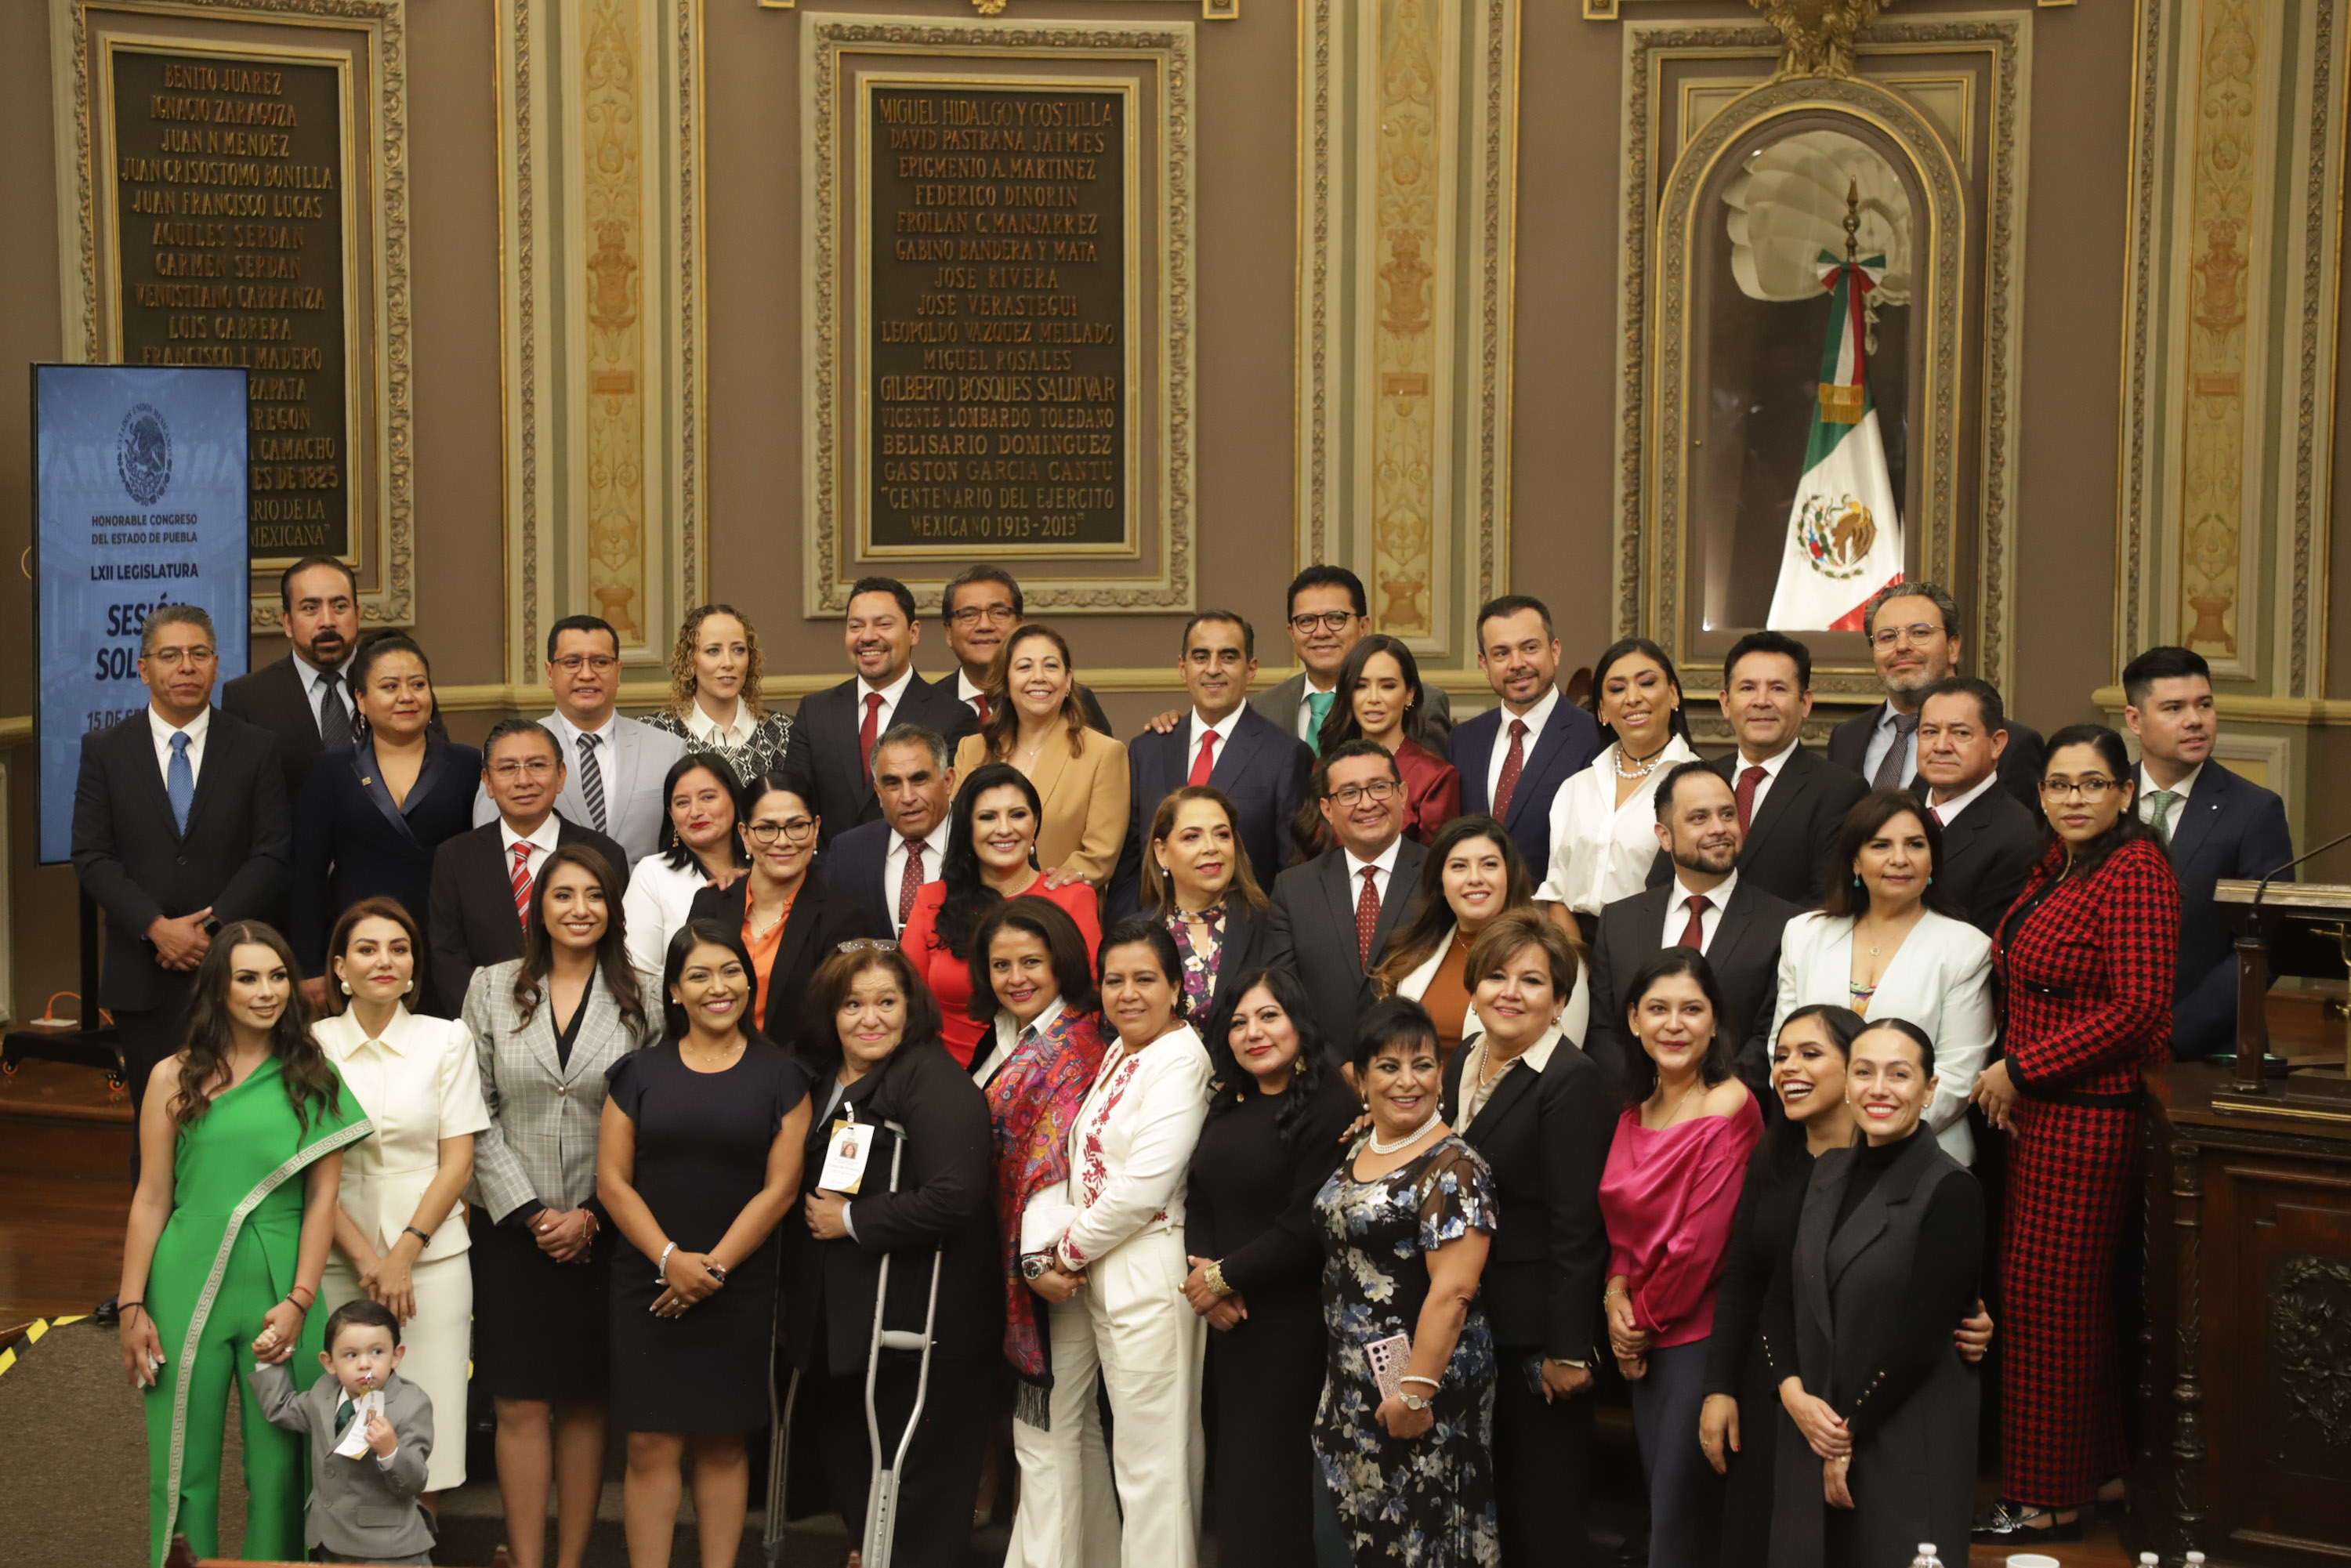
{"x": 1415, "y": 1402}
{"x": 1035, "y": 1265}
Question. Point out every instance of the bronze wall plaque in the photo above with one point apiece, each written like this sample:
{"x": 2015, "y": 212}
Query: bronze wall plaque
{"x": 229, "y": 180}
{"x": 998, "y": 304}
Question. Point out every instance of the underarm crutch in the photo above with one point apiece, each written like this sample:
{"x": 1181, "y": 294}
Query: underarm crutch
{"x": 882, "y": 1507}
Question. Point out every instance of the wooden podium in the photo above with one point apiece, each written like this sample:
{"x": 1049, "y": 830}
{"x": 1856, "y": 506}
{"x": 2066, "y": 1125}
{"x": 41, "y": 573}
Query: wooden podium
{"x": 2245, "y": 1451}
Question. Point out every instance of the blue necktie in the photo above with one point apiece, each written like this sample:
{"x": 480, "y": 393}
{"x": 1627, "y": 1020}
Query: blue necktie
{"x": 179, "y": 780}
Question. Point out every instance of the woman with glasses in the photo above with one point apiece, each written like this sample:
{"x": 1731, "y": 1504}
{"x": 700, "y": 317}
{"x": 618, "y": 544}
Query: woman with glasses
{"x": 1604, "y": 837}
{"x": 789, "y": 922}
{"x": 704, "y": 851}
{"x": 991, "y": 857}
{"x": 1382, "y": 701}
{"x": 714, "y": 695}
{"x": 1036, "y": 722}
{"x": 2087, "y": 955}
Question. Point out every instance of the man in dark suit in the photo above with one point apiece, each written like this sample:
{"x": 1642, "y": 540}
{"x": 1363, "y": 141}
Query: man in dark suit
{"x": 1735, "y": 920}
{"x": 303, "y": 698}
{"x": 1791, "y": 802}
{"x": 483, "y": 880}
{"x": 1328, "y": 615}
{"x": 1990, "y": 841}
{"x": 834, "y": 735}
{"x": 1332, "y": 916}
{"x": 1512, "y": 775}
{"x": 179, "y": 828}
{"x": 2213, "y": 824}
{"x": 1224, "y": 743}
{"x": 1914, "y": 640}
{"x": 879, "y": 866}
{"x": 982, "y": 605}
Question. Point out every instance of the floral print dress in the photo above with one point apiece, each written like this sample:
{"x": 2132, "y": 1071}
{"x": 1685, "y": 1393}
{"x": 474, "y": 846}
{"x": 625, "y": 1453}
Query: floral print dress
{"x": 1428, "y": 1501}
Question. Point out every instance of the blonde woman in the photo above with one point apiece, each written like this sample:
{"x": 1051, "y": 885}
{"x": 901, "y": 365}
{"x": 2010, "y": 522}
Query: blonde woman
{"x": 1036, "y": 724}
{"x": 714, "y": 693}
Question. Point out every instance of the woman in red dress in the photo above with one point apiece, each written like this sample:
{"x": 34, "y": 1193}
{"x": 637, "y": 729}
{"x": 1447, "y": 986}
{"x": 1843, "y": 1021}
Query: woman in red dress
{"x": 2086, "y": 956}
{"x": 1380, "y": 683}
{"x": 990, "y": 857}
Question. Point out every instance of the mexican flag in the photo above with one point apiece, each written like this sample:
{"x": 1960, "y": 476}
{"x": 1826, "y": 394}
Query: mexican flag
{"x": 1845, "y": 535}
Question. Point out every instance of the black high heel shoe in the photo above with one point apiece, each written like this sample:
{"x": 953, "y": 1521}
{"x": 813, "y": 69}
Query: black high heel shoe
{"x": 2014, "y": 1523}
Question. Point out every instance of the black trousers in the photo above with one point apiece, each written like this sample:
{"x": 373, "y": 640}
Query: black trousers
{"x": 147, "y": 1036}
{"x": 1541, "y": 1462}
{"x": 939, "y": 1485}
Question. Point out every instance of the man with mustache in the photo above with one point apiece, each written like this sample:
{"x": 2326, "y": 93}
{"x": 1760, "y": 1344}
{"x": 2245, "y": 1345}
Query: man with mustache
{"x": 302, "y": 698}
{"x": 1914, "y": 640}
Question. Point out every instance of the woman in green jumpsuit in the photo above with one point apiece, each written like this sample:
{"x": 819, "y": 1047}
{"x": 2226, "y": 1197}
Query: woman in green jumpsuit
{"x": 224, "y": 1247}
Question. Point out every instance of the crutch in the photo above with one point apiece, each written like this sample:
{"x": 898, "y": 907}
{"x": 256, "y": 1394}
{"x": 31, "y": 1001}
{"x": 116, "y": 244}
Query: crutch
{"x": 779, "y": 1448}
{"x": 881, "y": 1506}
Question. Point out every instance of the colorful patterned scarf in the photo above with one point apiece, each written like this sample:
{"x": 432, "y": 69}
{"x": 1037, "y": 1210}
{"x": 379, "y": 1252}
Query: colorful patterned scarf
{"x": 1033, "y": 1104}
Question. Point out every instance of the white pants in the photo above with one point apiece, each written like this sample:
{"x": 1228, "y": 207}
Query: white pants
{"x": 438, "y": 1346}
{"x": 1066, "y": 1518}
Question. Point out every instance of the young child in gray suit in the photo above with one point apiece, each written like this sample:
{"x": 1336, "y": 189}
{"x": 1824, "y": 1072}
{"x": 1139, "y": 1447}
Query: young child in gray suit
{"x": 363, "y": 1505}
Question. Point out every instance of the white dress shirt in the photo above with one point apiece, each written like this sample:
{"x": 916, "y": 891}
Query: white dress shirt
{"x": 1222, "y": 729}
{"x": 1947, "y": 811}
{"x": 891, "y": 695}
{"x": 1601, "y": 850}
{"x": 656, "y": 905}
{"x": 1008, "y": 1036}
{"x": 2146, "y": 799}
{"x": 1382, "y": 869}
{"x": 570, "y": 733}
{"x": 542, "y": 841}
{"x": 735, "y": 732}
{"x": 198, "y": 728}
{"x": 1709, "y": 923}
{"x": 1771, "y": 766}
{"x": 315, "y": 689}
{"x": 967, "y": 692}
{"x": 1534, "y": 718}
{"x": 1881, "y": 735}
{"x": 894, "y": 868}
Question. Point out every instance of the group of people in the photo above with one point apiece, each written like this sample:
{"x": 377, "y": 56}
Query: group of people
{"x": 1311, "y": 1089}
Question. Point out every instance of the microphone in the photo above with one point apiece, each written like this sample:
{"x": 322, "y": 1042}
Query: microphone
{"x": 2264, "y": 885}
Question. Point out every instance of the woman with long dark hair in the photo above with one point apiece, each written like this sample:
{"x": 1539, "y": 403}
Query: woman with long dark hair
{"x": 1036, "y": 725}
{"x": 1196, "y": 878}
{"x": 2088, "y": 954}
{"x": 1603, "y": 836}
{"x": 991, "y": 857}
{"x": 1381, "y": 699}
{"x": 1474, "y": 874}
{"x": 1275, "y": 1123}
{"x": 226, "y": 1249}
{"x": 704, "y": 797}
{"x": 697, "y": 1160}
{"x": 789, "y": 919}
{"x": 547, "y": 1026}
{"x": 715, "y": 704}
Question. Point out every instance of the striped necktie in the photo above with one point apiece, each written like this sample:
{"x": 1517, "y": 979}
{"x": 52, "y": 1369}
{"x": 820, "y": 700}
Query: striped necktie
{"x": 520, "y": 882}
{"x": 591, "y": 781}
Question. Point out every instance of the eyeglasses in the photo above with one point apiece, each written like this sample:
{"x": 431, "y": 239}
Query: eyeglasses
{"x": 173, "y": 658}
{"x": 1353, "y": 795}
{"x": 2092, "y": 789}
{"x": 867, "y": 943}
{"x": 1328, "y": 620}
{"x": 799, "y": 830}
{"x": 1917, "y": 631}
{"x": 973, "y": 614}
{"x": 537, "y": 767}
{"x": 572, "y": 663}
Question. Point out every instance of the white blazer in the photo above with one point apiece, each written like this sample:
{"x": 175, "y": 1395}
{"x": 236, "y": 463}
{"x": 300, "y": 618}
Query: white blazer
{"x": 1602, "y": 852}
{"x": 1941, "y": 980}
{"x": 419, "y": 1084}
{"x": 1158, "y": 1100}
{"x": 1572, "y": 1023}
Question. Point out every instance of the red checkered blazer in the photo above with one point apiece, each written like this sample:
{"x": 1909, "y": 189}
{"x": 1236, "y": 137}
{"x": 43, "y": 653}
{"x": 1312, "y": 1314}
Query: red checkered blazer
{"x": 2086, "y": 975}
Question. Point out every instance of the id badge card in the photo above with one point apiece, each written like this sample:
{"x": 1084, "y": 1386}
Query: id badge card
{"x": 845, "y": 1153}
{"x": 354, "y": 1441}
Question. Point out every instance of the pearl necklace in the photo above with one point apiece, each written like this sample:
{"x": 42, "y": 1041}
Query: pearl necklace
{"x": 1642, "y": 766}
{"x": 1407, "y": 1141}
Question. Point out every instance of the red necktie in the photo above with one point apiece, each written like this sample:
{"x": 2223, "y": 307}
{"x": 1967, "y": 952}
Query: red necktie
{"x": 911, "y": 883}
{"x": 1205, "y": 761}
{"x": 1514, "y": 762}
{"x": 1367, "y": 915}
{"x": 979, "y": 705}
{"x": 521, "y": 883}
{"x": 1694, "y": 934}
{"x": 1745, "y": 793}
{"x": 865, "y": 735}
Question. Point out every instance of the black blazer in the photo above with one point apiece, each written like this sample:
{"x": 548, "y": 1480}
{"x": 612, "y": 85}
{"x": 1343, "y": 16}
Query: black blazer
{"x": 351, "y": 843}
{"x": 1795, "y": 829}
{"x": 2230, "y": 827}
{"x": 1261, "y": 770}
{"x": 1987, "y": 849}
{"x": 272, "y": 697}
{"x": 1744, "y": 955}
{"x": 820, "y": 920}
{"x": 854, "y": 867}
{"x": 135, "y": 862}
{"x": 1545, "y": 1136}
{"x": 1310, "y": 931}
{"x": 946, "y": 1203}
{"x": 2019, "y": 760}
{"x": 1569, "y": 740}
{"x": 823, "y": 747}
{"x": 472, "y": 922}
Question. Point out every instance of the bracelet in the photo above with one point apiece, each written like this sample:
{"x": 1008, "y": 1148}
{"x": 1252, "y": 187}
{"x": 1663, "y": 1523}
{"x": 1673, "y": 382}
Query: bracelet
{"x": 1213, "y": 1274}
{"x": 661, "y": 1268}
{"x": 1410, "y": 1378}
{"x": 1615, "y": 1291}
{"x": 122, "y": 1307}
{"x": 296, "y": 1305}
{"x": 306, "y": 1306}
{"x": 411, "y": 1230}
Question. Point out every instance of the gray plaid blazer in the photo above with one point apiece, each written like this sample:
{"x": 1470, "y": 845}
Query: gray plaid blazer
{"x": 541, "y": 1142}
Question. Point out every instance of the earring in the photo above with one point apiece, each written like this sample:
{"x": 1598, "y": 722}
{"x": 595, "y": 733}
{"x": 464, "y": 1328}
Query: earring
{"x": 1856, "y": 879}
{"x": 406, "y": 987}
{"x": 347, "y": 987}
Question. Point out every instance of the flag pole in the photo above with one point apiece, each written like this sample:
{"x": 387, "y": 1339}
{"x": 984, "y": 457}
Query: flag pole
{"x": 1851, "y": 221}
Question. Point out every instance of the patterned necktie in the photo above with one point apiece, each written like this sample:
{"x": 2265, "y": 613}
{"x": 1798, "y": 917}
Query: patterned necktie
{"x": 1206, "y": 762}
{"x": 179, "y": 780}
{"x": 1890, "y": 774}
{"x": 865, "y": 736}
{"x": 911, "y": 883}
{"x": 1514, "y": 762}
{"x": 1745, "y": 794}
{"x": 334, "y": 718}
{"x": 2161, "y": 821}
{"x": 1367, "y": 915}
{"x": 1694, "y": 934}
{"x": 1317, "y": 708}
{"x": 591, "y": 781}
{"x": 520, "y": 882}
